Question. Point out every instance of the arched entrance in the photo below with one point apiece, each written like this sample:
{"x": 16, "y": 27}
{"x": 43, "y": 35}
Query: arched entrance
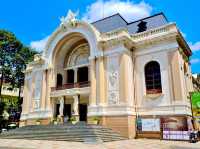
{"x": 71, "y": 59}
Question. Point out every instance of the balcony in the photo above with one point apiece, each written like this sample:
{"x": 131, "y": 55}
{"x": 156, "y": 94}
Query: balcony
{"x": 71, "y": 86}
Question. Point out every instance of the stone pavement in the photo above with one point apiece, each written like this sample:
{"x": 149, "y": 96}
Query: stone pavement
{"x": 126, "y": 144}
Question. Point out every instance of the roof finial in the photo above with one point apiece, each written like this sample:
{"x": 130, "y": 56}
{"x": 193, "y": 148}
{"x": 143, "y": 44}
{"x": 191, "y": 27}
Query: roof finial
{"x": 70, "y": 18}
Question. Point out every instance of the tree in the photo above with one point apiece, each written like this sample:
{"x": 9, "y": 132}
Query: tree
{"x": 2, "y": 106}
{"x": 22, "y": 57}
{"x": 14, "y": 57}
{"x": 196, "y": 82}
{"x": 9, "y": 45}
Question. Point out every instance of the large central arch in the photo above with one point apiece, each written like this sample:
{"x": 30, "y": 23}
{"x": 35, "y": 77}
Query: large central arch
{"x": 65, "y": 48}
{"x": 60, "y": 36}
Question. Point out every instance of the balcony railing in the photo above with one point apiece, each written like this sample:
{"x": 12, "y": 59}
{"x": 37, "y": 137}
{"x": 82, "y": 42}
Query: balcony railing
{"x": 71, "y": 85}
{"x": 154, "y": 91}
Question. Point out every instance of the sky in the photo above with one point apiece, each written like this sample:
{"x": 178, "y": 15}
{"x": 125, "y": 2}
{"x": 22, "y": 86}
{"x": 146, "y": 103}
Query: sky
{"x": 33, "y": 21}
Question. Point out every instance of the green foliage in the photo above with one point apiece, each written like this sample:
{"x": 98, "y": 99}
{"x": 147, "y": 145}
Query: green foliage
{"x": 10, "y": 101}
{"x": 9, "y": 45}
{"x": 95, "y": 118}
{"x": 21, "y": 59}
{"x": 196, "y": 103}
{"x": 73, "y": 118}
{"x": 13, "y": 59}
{"x": 196, "y": 100}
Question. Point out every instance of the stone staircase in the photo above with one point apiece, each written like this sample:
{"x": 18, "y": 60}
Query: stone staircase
{"x": 80, "y": 132}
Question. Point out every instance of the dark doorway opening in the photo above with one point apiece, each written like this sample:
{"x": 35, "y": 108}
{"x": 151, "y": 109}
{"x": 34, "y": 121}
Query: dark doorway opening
{"x": 67, "y": 111}
{"x": 83, "y": 112}
{"x": 57, "y": 109}
{"x": 70, "y": 76}
{"x": 59, "y": 80}
{"x": 82, "y": 74}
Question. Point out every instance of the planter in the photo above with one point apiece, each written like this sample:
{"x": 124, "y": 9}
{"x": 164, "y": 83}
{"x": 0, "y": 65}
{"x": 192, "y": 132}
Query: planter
{"x": 38, "y": 123}
{"x": 74, "y": 122}
{"x": 55, "y": 123}
{"x": 94, "y": 122}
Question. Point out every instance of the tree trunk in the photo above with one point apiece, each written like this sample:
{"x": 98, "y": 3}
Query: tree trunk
{"x": 19, "y": 95}
{"x": 1, "y": 83}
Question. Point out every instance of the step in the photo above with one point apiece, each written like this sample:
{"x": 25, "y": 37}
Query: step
{"x": 66, "y": 132}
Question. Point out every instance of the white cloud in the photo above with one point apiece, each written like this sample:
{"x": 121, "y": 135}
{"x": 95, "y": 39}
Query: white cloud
{"x": 195, "y": 61}
{"x": 195, "y": 47}
{"x": 39, "y": 45}
{"x": 128, "y": 9}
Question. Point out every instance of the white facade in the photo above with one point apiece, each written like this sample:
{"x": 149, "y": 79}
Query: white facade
{"x": 116, "y": 86}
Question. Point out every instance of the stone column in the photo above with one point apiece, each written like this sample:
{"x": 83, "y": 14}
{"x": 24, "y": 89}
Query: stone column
{"x": 126, "y": 80}
{"x": 75, "y": 107}
{"x": 101, "y": 80}
{"x": 75, "y": 75}
{"x": 92, "y": 82}
{"x": 44, "y": 88}
{"x": 61, "y": 108}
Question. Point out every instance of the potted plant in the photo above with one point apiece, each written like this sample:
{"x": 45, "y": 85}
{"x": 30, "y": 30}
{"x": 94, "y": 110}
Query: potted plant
{"x": 95, "y": 120}
{"x": 38, "y": 122}
{"x": 73, "y": 120}
{"x": 54, "y": 121}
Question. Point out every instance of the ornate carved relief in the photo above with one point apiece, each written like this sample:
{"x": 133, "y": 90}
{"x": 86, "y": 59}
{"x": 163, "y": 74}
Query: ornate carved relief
{"x": 79, "y": 56}
{"x": 37, "y": 92}
{"x": 113, "y": 80}
{"x": 36, "y": 105}
{"x": 69, "y": 20}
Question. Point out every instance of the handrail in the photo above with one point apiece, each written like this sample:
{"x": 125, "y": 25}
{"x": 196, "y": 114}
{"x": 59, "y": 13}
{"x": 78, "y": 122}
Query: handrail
{"x": 71, "y": 85}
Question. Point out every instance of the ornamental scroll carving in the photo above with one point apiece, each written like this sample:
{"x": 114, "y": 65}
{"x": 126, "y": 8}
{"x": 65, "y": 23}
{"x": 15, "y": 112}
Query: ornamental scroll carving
{"x": 113, "y": 80}
{"x": 37, "y": 91}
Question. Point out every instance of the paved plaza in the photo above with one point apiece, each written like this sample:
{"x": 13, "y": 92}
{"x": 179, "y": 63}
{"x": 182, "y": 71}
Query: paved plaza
{"x": 127, "y": 144}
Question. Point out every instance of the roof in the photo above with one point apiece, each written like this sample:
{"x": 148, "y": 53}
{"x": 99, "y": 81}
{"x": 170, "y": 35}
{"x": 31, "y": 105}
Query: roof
{"x": 116, "y": 21}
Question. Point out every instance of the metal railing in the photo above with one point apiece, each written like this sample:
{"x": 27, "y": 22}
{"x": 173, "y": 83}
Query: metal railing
{"x": 71, "y": 85}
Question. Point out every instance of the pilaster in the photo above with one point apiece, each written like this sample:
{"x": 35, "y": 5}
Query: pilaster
{"x": 92, "y": 100}
{"x": 101, "y": 80}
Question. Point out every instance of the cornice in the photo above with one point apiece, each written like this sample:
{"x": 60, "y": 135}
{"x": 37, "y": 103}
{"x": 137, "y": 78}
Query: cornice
{"x": 116, "y": 37}
{"x": 152, "y": 36}
{"x": 163, "y": 33}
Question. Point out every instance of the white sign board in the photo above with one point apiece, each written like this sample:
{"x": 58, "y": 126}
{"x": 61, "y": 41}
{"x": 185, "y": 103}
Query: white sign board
{"x": 176, "y": 135}
{"x": 150, "y": 124}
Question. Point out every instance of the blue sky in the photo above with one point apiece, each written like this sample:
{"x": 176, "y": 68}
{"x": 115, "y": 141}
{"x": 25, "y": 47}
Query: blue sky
{"x": 34, "y": 20}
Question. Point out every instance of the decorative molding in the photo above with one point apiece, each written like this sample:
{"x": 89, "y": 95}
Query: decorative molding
{"x": 120, "y": 110}
{"x": 111, "y": 110}
{"x": 114, "y": 38}
{"x": 79, "y": 56}
{"x": 113, "y": 80}
{"x": 171, "y": 27}
{"x": 153, "y": 96}
{"x": 70, "y": 92}
{"x": 36, "y": 115}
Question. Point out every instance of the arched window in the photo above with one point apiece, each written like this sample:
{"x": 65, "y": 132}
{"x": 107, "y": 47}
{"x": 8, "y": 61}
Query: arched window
{"x": 59, "y": 80}
{"x": 153, "y": 78}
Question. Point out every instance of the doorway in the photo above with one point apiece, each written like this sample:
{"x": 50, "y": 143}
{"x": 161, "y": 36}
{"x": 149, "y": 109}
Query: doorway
{"x": 82, "y": 74}
{"x": 83, "y": 112}
{"x": 67, "y": 111}
{"x": 57, "y": 110}
{"x": 59, "y": 80}
{"x": 70, "y": 76}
